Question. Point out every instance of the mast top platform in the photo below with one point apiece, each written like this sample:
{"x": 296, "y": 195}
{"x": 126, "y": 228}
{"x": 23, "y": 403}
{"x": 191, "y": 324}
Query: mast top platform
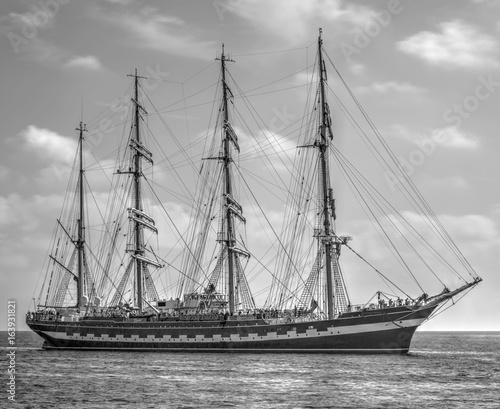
{"x": 81, "y": 127}
{"x": 223, "y": 56}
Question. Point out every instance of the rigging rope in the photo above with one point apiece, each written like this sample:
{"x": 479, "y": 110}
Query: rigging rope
{"x": 378, "y": 272}
{"x": 423, "y": 205}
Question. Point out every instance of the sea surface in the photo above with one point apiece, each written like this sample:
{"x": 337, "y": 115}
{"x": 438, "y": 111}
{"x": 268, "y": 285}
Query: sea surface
{"x": 443, "y": 370}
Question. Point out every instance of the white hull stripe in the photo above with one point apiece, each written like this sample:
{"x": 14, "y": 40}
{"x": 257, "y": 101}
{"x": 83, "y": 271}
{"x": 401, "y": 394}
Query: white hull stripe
{"x": 259, "y": 350}
{"x": 270, "y": 336}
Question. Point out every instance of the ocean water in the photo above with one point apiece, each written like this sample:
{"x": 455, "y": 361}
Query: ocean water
{"x": 443, "y": 370}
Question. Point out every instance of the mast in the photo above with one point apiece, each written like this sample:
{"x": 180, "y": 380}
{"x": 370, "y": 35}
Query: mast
{"x": 228, "y": 272}
{"x": 226, "y": 161}
{"x": 138, "y": 220}
{"x": 80, "y": 243}
{"x": 137, "y": 197}
{"x": 325, "y": 188}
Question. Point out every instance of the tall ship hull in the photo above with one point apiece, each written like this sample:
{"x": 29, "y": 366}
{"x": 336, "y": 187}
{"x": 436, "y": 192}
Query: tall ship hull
{"x": 371, "y": 331}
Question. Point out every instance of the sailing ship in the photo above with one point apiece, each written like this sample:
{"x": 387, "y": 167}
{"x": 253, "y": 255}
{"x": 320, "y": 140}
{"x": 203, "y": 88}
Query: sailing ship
{"x": 113, "y": 303}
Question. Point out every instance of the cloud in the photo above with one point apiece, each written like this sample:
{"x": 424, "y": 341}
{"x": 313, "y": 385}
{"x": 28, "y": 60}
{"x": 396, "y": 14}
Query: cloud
{"x": 466, "y": 230}
{"x": 449, "y": 137}
{"x": 28, "y": 24}
{"x": 477, "y": 236}
{"x": 452, "y": 182}
{"x": 453, "y": 137}
{"x": 88, "y": 62}
{"x": 24, "y": 30}
{"x": 171, "y": 236}
{"x": 457, "y": 44}
{"x": 57, "y": 153}
{"x": 391, "y": 86}
{"x": 269, "y": 146}
{"x": 292, "y": 19}
{"x": 49, "y": 145}
{"x": 357, "y": 69}
{"x": 161, "y": 32}
{"x": 474, "y": 229}
{"x": 27, "y": 214}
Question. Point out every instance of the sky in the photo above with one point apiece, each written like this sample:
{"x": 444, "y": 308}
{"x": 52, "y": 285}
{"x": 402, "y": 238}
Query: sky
{"x": 427, "y": 73}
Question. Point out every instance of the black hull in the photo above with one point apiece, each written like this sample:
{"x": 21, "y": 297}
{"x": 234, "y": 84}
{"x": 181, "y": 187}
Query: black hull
{"x": 379, "y": 331}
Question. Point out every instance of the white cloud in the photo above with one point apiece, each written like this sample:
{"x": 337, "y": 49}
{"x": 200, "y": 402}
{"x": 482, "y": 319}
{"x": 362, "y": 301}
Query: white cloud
{"x": 277, "y": 150}
{"x": 57, "y": 153}
{"x": 162, "y": 32}
{"x": 49, "y": 145}
{"x": 302, "y": 78}
{"x": 89, "y": 62}
{"x": 453, "y": 137}
{"x": 474, "y": 228}
{"x": 391, "y": 86}
{"x": 172, "y": 237}
{"x": 457, "y": 44}
{"x": 292, "y": 19}
{"x": 357, "y": 69}
{"x": 450, "y": 137}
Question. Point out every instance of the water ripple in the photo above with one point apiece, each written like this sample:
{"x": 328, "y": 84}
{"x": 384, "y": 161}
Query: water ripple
{"x": 445, "y": 370}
